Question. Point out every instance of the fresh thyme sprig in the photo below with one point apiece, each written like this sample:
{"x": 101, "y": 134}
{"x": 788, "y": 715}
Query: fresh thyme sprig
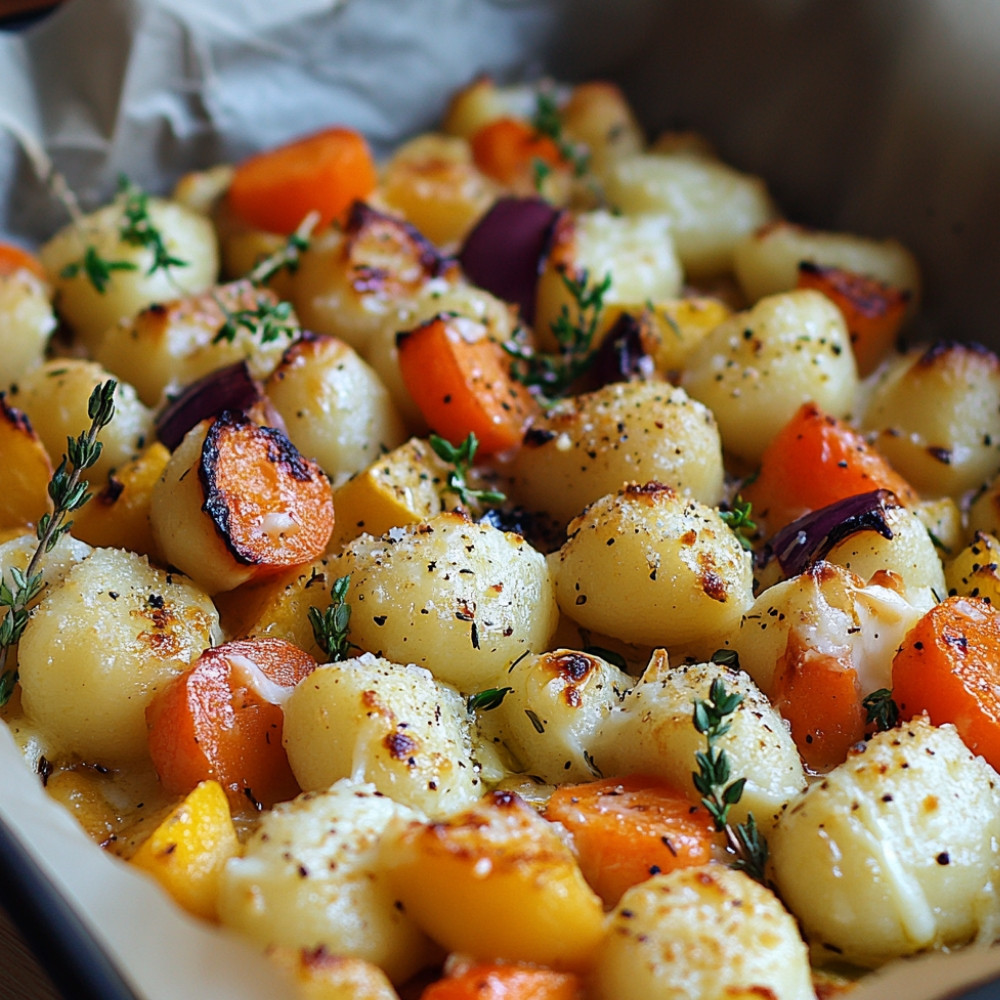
{"x": 880, "y": 710}
{"x": 546, "y": 121}
{"x": 460, "y": 458}
{"x": 137, "y": 228}
{"x": 269, "y": 321}
{"x": 68, "y": 491}
{"x": 330, "y": 626}
{"x": 98, "y": 270}
{"x": 552, "y": 373}
{"x": 739, "y": 520}
{"x": 719, "y": 794}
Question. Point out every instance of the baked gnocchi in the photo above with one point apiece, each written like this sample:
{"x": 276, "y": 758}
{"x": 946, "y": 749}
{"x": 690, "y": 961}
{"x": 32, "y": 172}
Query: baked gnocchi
{"x": 447, "y": 564}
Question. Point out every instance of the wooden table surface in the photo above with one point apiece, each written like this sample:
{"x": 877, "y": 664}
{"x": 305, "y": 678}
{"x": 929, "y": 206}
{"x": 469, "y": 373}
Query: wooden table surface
{"x": 21, "y": 977}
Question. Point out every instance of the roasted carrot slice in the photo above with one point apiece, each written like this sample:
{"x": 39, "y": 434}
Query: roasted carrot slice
{"x": 628, "y": 828}
{"x": 820, "y": 697}
{"x": 14, "y": 259}
{"x": 502, "y": 981}
{"x": 460, "y": 379}
{"x": 272, "y": 507}
{"x": 222, "y": 720}
{"x": 873, "y": 311}
{"x": 813, "y": 461}
{"x": 949, "y": 667}
{"x": 27, "y": 470}
{"x": 324, "y": 172}
{"x": 506, "y": 150}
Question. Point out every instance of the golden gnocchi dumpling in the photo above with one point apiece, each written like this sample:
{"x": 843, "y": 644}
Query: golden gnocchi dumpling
{"x": 711, "y": 206}
{"x": 462, "y": 599}
{"x": 237, "y": 502}
{"x": 755, "y": 369}
{"x": 101, "y": 643}
{"x": 636, "y": 254}
{"x": 653, "y": 733}
{"x": 335, "y": 408}
{"x": 311, "y": 876}
{"x": 55, "y": 397}
{"x": 651, "y": 567}
{"x": 351, "y": 282}
{"x": 59, "y": 560}
{"x": 555, "y": 705}
{"x": 767, "y": 261}
{"x": 496, "y": 881}
{"x": 935, "y": 414}
{"x": 484, "y": 101}
{"x": 171, "y": 344}
{"x": 385, "y": 723}
{"x": 185, "y": 235}
{"x": 597, "y": 116}
{"x": 830, "y": 611}
{"x": 432, "y": 182}
{"x": 896, "y": 850}
{"x": 320, "y": 975}
{"x": 26, "y": 323}
{"x": 707, "y": 932}
{"x": 591, "y": 445}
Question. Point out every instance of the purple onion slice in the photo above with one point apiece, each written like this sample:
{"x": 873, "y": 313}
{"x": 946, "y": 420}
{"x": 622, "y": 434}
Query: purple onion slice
{"x": 506, "y": 251}
{"x": 229, "y": 388}
{"x": 809, "y": 538}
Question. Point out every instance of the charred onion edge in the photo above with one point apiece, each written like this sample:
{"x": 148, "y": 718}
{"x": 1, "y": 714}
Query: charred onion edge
{"x": 809, "y": 538}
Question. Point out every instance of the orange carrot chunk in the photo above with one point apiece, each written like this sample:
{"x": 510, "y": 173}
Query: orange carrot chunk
{"x": 629, "y": 828}
{"x": 507, "y": 149}
{"x": 14, "y": 259}
{"x": 498, "y": 981}
{"x": 873, "y": 311}
{"x": 460, "y": 379}
{"x": 816, "y": 460}
{"x": 949, "y": 667}
{"x": 324, "y": 172}
{"x": 222, "y": 720}
{"x": 820, "y": 697}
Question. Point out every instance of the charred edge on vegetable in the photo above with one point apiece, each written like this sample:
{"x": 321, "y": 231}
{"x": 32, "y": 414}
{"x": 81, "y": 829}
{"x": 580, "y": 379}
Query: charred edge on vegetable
{"x": 362, "y": 215}
{"x": 14, "y": 416}
{"x": 809, "y": 538}
{"x": 280, "y": 452}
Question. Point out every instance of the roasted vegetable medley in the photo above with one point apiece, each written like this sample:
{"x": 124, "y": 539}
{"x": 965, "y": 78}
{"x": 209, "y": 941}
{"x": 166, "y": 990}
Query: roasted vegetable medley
{"x": 526, "y": 566}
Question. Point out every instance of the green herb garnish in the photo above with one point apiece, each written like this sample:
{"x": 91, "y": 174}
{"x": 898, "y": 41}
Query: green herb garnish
{"x": 552, "y": 373}
{"x": 739, "y": 520}
{"x": 330, "y": 626}
{"x": 460, "y": 458}
{"x": 137, "y": 227}
{"x": 546, "y": 121}
{"x": 719, "y": 794}
{"x": 98, "y": 270}
{"x": 68, "y": 491}
{"x": 486, "y": 701}
{"x": 880, "y": 710}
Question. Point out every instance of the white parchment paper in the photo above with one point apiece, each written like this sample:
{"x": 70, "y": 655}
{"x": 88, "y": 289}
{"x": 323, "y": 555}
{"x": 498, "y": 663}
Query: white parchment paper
{"x": 882, "y": 118}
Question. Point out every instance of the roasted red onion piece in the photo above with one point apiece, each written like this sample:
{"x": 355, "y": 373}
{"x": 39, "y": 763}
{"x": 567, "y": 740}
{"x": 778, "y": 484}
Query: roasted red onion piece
{"x": 506, "y": 251}
{"x": 622, "y": 355}
{"x": 229, "y": 388}
{"x": 809, "y": 538}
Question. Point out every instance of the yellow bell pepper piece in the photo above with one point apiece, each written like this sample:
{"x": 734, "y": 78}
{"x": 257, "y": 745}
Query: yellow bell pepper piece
{"x": 187, "y": 851}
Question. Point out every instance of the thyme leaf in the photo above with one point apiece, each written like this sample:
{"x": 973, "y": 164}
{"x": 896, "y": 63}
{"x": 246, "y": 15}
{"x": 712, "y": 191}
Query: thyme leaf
{"x": 137, "y": 228}
{"x": 460, "y": 457}
{"x": 739, "y": 520}
{"x": 880, "y": 710}
{"x": 330, "y": 626}
{"x": 712, "y": 780}
{"x": 486, "y": 701}
{"x": 68, "y": 490}
{"x": 97, "y": 269}
{"x": 552, "y": 373}
{"x": 547, "y": 121}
